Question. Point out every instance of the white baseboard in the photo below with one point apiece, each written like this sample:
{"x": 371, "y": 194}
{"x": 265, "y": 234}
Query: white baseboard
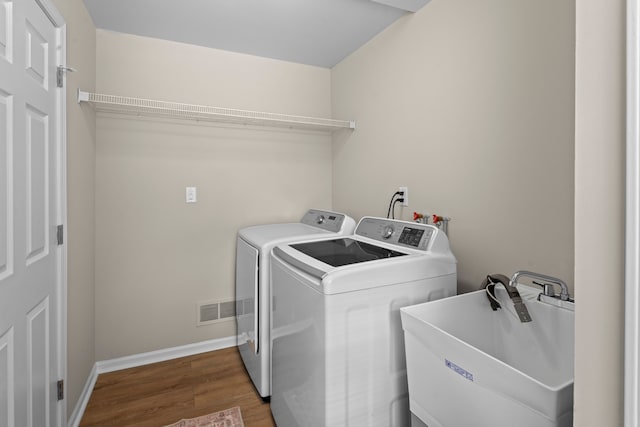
{"x": 164, "y": 354}
{"x": 141, "y": 359}
{"x": 81, "y": 404}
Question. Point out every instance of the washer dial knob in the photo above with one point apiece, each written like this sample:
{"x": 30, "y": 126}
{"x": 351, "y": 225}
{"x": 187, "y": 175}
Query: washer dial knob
{"x": 320, "y": 219}
{"x": 387, "y": 232}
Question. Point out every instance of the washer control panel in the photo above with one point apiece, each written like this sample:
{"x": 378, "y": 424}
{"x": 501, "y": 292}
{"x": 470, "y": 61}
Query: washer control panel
{"x": 402, "y": 233}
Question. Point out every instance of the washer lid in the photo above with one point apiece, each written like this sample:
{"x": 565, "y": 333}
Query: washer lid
{"x": 345, "y": 251}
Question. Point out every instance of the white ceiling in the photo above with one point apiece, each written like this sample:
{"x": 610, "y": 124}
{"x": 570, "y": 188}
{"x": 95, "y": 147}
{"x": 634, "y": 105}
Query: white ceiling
{"x": 313, "y": 32}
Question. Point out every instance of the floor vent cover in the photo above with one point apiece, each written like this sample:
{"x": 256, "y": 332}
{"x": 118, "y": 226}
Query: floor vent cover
{"x": 215, "y": 311}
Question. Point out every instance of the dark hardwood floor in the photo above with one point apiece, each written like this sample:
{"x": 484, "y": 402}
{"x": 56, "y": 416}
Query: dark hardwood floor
{"x": 163, "y": 393}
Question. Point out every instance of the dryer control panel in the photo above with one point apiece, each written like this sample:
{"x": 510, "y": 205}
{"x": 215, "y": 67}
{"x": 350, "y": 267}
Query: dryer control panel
{"x": 401, "y": 233}
{"x": 326, "y": 220}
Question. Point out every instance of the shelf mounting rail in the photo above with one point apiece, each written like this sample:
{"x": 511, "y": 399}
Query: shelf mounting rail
{"x": 148, "y": 107}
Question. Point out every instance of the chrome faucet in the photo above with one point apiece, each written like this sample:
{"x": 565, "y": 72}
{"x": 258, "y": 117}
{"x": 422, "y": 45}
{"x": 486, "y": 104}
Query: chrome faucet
{"x": 547, "y": 288}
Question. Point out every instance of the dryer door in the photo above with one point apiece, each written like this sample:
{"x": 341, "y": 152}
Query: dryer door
{"x": 247, "y": 295}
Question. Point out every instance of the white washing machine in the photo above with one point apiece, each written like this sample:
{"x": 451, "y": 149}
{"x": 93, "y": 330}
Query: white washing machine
{"x": 253, "y": 291}
{"x": 337, "y": 341}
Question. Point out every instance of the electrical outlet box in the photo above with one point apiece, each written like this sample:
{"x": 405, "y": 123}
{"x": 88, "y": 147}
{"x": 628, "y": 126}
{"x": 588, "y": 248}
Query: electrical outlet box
{"x": 405, "y": 196}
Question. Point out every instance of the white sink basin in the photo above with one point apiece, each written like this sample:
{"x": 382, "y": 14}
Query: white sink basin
{"x": 468, "y": 365}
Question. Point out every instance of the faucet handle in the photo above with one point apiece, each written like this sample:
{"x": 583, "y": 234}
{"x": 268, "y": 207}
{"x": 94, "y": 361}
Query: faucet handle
{"x": 547, "y": 288}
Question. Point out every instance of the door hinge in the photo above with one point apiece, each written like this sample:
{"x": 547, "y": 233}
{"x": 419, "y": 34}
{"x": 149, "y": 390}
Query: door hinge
{"x": 60, "y": 389}
{"x": 60, "y": 77}
{"x": 60, "y": 234}
{"x": 60, "y": 74}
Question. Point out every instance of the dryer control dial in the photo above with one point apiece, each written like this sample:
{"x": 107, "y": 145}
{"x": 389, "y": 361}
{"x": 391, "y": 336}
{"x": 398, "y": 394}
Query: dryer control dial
{"x": 320, "y": 219}
{"x": 387, "y": 232}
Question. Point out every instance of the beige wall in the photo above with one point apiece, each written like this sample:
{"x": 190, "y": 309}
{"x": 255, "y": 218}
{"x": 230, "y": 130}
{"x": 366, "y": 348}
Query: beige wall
{"x": 599, "y": 218}
{"x": 470, "y": 105}
{"x": 80, "y": 198}
{"x": 412, "y": 87}
{"x": 156, "y": 256}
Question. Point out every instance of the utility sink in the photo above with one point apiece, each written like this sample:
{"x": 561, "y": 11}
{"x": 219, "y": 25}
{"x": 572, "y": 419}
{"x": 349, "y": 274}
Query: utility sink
{"x": 470, "y": 366}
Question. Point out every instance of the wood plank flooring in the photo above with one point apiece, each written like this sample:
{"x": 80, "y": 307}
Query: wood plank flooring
{"x": 163, "y": 393}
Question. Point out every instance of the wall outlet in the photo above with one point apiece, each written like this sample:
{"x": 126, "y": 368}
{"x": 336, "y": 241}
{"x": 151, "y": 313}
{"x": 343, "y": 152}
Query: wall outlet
{"x": 405, "y": 196}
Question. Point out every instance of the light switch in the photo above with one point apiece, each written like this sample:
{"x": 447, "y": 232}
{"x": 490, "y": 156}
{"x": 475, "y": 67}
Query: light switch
{"x": 191, "y": 195}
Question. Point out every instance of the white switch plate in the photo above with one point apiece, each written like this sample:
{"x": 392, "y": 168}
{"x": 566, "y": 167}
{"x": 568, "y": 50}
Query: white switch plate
{"x": 191, "y": 195}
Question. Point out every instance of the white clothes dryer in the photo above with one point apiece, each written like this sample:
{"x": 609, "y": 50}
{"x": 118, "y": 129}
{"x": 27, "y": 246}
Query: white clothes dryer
{"x": 253, "y": 290}
{"x": 337, "y": 340}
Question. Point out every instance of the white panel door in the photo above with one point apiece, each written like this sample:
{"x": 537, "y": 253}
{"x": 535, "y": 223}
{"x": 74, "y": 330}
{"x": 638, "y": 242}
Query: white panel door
{"x": 30, "y": 198}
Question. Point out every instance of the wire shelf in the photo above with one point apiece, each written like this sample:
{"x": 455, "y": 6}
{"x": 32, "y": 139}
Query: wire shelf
{"x": 148, "y": 107}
